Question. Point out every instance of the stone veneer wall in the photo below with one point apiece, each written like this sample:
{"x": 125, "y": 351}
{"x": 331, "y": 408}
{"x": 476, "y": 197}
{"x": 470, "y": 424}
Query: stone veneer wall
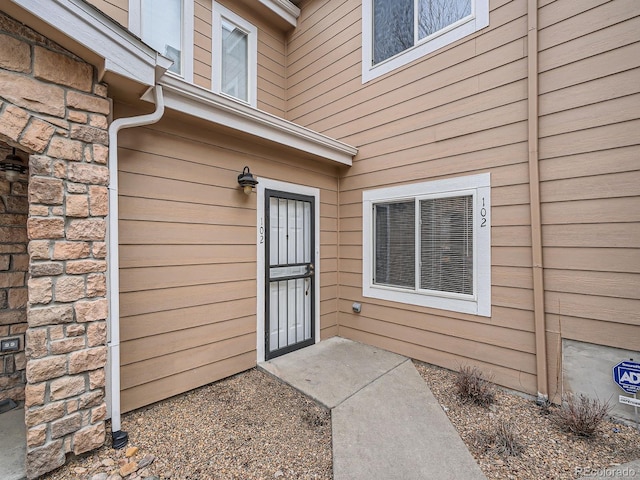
{"x": 14, "y": 263}
{"x": 52, "y": 108}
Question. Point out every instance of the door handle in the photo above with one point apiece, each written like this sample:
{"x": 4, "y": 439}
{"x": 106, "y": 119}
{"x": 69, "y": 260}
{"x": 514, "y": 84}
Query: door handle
{"x": 310, "y": 268}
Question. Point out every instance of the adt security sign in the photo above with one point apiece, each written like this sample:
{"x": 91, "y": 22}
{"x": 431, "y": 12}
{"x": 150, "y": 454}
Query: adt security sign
{"x": 627, "y": 376}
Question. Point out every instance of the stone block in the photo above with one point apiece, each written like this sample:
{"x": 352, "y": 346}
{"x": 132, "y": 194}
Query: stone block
{"x": 97, "y": 334}
{"x": 88, "y": 173}
{"x": 60, "y": 168}
{"x": 16, "y": 204}
{"x": 48, "y": 191}
{"x": 99, "y": 200}
{"x": 13, "y": 234}
{"x": 21, "y": 360}
{"x": 73, "y": 187}
{"x": 32, "y": 94}
{"x": 91, "y": 310}
{"x": 99, "y": 250}
{"x": 89, "y": 438}
{"x": 11, "y": 279}
{"x": 89, "y": 134}
{"x": 40, "y": 290}
{"x": 86, "y": 360}
{"x": 46, "y": 368}
{"x": 86, "y": 266}
{"x": 97, "y": 379}
{"x": 43, "y": 228}
{"x": 15, "y": 54}
{"x": 5, "y": 261}
{"x": 62, "y": 69}
{"x": 36, "y": 436}
{"x": 45, "y": 269}
{"x": 96, "y": 285}
{"x": 67, "y": 345}
{"x": 99, "y": 413}
{"x": 20, "y": 263}
{"x": 56, "y": 332}
{"x": 48, "y": 413}
{"x": 77, "y": 206}
{"x": 37, "y": 135}
{"x": 39, "y": 249}
{"x": 40, "y": 165}
{"x": 90, "y": 229}
{"x": 77, "y": 116}
{"x": 13, "y": 121}
{"x": 100, "y": 154}
{"x": 88, "y": 103}
{"x": 52, "y": 315}
{"x": 65, "y": 148}
{"x": 66, "y": 425}
{"x": 91, "y": 399}
{"x": 36, "y": 343}
{"x": 17, "y": 298}
{"x": 66, "y": 387}
{"x": 75, "y": 330}
{"x": 12, "y": 317}
{"x": 98, "y": 121}
{"x": 44, "y": 459}
{"x": 34, "y": 394}
{"x": 69, "y": 289}
{"x": 70, "y": 250}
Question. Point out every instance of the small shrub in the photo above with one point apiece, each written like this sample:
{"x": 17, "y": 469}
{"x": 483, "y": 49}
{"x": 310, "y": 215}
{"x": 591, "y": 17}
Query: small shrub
{"x": 506, "y": 440}
{"x": 473, "y": 387}
{"x": 581, "y": 416}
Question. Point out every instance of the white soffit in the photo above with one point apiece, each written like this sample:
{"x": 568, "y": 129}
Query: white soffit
{"x": 207, "y": 105}
{"x": 122, "y": 52}
{"x": 283, "y": 8}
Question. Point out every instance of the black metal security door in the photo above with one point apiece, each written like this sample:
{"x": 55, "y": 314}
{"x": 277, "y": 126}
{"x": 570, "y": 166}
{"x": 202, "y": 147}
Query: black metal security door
{"x": 290, "y": 273}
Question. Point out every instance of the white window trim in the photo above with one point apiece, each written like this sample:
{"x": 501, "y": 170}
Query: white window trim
{"x": 135, "y": 27}
{"x": 220, "y": 12}
{"x": 267, "y": 183}
{"x": 478, "y": 19}
{"x": 480, "y": 185}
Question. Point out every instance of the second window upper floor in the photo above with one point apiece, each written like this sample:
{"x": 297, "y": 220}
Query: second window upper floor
{"x": 172, "y": 26}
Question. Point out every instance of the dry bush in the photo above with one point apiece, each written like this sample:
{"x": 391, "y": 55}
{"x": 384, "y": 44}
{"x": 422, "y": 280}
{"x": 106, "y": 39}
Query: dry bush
{"x": 473, "y": 387}
{"x": 581, "y": 416}
{"x": 506, "y": 440}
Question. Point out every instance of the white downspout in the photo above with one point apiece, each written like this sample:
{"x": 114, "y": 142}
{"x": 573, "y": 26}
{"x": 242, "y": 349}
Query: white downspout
{"x": 120, "y": 438}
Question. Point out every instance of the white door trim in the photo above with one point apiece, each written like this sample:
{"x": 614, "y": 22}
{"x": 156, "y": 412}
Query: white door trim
{"x": 266, "y": 183}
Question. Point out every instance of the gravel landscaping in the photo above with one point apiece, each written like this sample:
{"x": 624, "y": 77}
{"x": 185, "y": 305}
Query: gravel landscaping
{"x": 546, "y": 451}
{"x": 252, "y": 426}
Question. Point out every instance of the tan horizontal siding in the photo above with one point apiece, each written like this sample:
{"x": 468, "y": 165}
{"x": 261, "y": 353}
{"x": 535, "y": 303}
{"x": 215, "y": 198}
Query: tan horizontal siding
{"x": 188, "y": 253}
{"x": 115, "y": 9}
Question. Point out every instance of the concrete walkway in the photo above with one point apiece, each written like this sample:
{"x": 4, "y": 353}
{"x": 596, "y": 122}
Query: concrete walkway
{"x": 386, "y": 423}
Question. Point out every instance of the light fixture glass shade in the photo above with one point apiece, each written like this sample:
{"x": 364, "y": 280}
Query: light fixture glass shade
{"x": 12, "y": 175}
{"x": 12, "y": 167}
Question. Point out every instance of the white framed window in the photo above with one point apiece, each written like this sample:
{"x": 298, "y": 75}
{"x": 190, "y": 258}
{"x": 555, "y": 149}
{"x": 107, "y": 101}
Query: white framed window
{"x": 429, "y": 244}
{"x": 396, "y": 32}
{"x": 235, "y": 56}
{"x": 167, "y": 26}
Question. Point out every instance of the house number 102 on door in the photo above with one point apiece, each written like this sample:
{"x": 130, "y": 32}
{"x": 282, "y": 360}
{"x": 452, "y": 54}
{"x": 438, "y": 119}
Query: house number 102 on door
{"x": 483, "y": 214}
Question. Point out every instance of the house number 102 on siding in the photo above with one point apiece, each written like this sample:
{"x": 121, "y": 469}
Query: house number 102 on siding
{"x": 483, "y": 214}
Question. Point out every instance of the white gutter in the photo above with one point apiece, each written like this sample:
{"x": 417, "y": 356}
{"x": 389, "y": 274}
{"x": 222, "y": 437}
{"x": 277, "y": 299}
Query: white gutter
{"x": 113, "y": 326}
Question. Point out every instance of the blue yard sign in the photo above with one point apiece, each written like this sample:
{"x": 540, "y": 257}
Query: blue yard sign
{"x": 627, "y": 375}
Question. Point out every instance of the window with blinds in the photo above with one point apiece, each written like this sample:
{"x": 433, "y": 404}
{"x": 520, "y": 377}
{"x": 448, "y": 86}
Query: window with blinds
{"x": 429, "y": 244}
{"x": 444, "y": 244}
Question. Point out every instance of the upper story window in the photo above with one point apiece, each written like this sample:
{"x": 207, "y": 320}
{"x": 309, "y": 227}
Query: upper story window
{"x": 429, "y": 244}
{"x": 235, "y": 47}
{"x": 167, "y": 26}
{"x": 397, "y": 32}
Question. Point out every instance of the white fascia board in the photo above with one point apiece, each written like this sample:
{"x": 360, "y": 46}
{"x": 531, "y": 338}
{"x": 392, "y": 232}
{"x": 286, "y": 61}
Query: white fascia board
{"x": 283, "y": 8}
{"x": 207, "y": 105}
{"x": 123, "y": 53}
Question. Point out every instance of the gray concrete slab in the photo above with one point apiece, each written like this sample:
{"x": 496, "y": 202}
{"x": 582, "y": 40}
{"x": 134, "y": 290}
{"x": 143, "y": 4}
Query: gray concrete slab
{"x": 332, "y": 370}
{"x": 395, "y": 429}
{"x": 13, "y": 441}
{"x": 386, "y": 423}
